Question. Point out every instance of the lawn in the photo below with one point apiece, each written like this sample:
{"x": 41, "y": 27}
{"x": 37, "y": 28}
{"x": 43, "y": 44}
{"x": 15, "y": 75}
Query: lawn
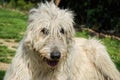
{"x": 6, "y": 54}
{"x": 13, "y": 25}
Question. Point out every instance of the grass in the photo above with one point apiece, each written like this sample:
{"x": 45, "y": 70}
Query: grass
{"x": 113, "y": 48}
{"x": 83, "y": 34}
{"x": 2, "y": 73}
{"x": 13, "y": 23}
{"x": 6, "y": 54}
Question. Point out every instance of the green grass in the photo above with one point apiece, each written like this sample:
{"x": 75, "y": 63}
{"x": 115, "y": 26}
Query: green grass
{"x": 113, "y": 48}
{"x": 6, "y": 54}
{"x": 83, "y": 34}
{"x": 12, "y": 24}
{"x": 2, "y": 73}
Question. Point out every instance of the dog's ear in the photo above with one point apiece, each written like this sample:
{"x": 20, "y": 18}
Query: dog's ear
{"x": 70, "y": 36}
{"x": 32, "y": 11}
{"x": 28, "y": 40}
{"x": 31, "y": 15}
{"x": 67, "y": 24}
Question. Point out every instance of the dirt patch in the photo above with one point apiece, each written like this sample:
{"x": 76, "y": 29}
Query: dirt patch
{"x": 10, "y": 43}
{"x": 4, "y": 66}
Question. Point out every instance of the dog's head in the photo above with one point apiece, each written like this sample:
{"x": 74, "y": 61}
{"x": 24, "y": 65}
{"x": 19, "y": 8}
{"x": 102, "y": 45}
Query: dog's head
{"x": 50, "y": 33}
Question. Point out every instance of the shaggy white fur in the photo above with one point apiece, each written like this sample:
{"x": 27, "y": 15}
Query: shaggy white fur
{"x": 51, "y": 29}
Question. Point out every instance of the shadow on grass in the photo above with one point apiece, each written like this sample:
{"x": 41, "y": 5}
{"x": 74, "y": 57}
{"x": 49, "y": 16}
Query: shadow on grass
{"x": 2, "y": 73}
{"x": 118, "y": 65}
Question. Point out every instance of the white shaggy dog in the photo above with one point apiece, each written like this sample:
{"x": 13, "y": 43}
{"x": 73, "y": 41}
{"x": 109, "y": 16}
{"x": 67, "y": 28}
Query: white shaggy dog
{"x": 49, "y": 51}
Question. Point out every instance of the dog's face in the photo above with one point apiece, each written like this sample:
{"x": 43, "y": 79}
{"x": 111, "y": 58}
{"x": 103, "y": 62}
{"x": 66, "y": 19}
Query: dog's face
{"x": 50, "y": 34}
{"x": 52, "y": 46}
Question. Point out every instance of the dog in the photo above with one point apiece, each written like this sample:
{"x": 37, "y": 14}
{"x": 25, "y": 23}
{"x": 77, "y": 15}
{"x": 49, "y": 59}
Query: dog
{"x": 49, "y": 50}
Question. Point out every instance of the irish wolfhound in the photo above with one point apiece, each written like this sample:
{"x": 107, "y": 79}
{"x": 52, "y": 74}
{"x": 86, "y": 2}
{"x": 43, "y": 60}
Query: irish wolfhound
{"x": 49, "y": 51}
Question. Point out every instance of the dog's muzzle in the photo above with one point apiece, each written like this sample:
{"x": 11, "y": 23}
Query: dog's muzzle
{"x": 54, "y": 58}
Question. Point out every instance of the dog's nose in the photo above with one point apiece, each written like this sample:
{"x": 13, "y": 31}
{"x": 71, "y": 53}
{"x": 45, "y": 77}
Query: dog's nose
{"x": 55, "y": 55}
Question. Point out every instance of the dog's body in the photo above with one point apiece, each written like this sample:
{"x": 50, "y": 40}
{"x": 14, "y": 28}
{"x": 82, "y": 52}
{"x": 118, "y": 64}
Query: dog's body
{"x": 49, "y": 51}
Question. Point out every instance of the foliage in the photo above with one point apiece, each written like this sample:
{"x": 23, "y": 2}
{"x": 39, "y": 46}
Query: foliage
{"x": 19, "y": 4}
{"x": 12, "y": 4}
{"x": 101, "y": 15}
{"x": 22, "y": 5}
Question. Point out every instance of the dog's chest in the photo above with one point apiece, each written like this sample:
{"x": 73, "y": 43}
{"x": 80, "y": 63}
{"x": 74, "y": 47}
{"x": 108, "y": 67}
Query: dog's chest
{"x": 48, "y": 76}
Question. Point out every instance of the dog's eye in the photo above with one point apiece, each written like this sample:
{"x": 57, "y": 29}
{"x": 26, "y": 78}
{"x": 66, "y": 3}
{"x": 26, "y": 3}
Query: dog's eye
{"x": 45, "y": 31}
{"x": 62, "y": 31}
